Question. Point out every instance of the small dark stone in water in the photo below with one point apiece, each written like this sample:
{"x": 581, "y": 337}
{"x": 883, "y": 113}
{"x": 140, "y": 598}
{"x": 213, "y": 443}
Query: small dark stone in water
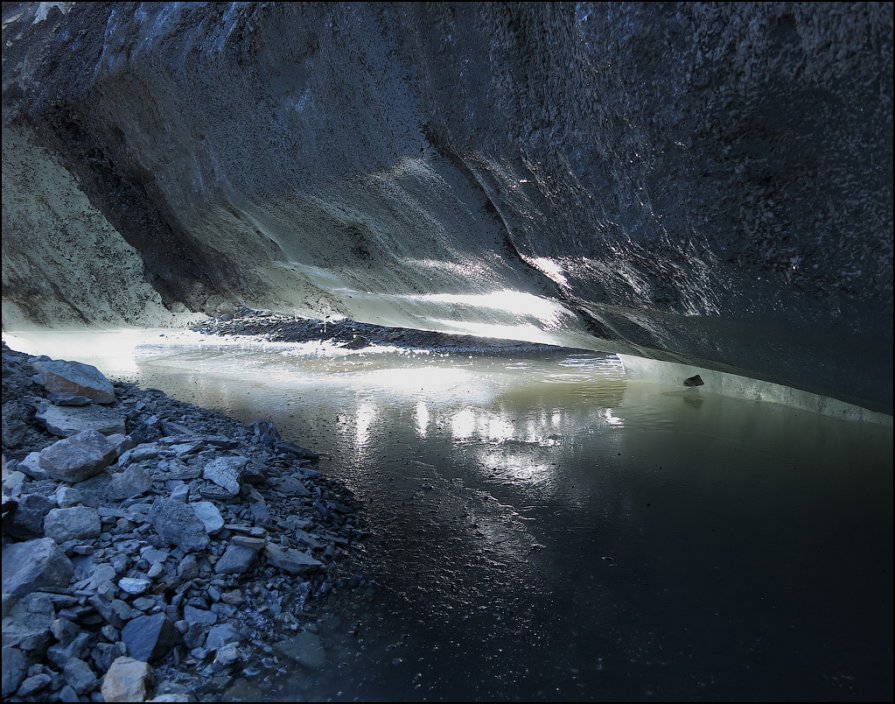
{"x": 694, "y": 381}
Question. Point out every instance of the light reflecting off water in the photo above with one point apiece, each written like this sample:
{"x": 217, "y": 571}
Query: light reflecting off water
{"x": 544, "y": 527}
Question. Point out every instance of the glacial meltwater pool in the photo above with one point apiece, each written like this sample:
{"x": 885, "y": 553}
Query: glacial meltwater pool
{"x": 544, "y": 528}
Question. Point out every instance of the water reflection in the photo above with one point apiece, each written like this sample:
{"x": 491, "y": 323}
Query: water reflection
{"x": 422, "y": 419}
{"x": 544, "y": 528}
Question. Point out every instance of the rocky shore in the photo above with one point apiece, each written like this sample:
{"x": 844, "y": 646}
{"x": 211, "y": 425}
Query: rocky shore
{"x": 350, "y": 334}
{"x": 152, "y": 550}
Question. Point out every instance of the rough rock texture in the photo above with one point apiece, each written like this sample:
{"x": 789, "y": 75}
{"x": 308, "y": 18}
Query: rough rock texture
{"x": 127, "y": 680}
{"x": 77, "y": 458}
{"x": 701, "y": 183}
{"x": 151, "y": 560}
{"x": 35, "y": 564}
{"x": 66, "y": 421}
{"x": 77, "y": 378}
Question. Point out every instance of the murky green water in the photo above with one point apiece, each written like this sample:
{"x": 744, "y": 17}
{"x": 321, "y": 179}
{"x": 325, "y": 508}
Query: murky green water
{"x": 544, "y": 528}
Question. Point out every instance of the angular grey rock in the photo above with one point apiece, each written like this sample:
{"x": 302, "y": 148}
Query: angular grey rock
{"x": 221, "y": 635}
{"x": 12, "y": 483}
{"x": 74, "y": 378}
{"x": 67, "y": 496}
{"x": 306, "y": 649}
{"x": 78, "y": 675}
{"x": 133, "y": 481}
{"x": 34, "y": 684}
{"x": 225, "y": 472}
{"x": 121, "y": 443}
{"x": 193, "y": 615}
{"x": 290, "y": 560}
{"x": 77, "y": 458}
{"x": 68, "y": 694}
{"x": 236, "y": 559}
{"x": 66, "y": 399}
{"x": 103, "y": 654}
{"x": 35, "y": 564}
{"x": 144, "y": 451}
{"x": 300, "y": 452}
{"x": 226, "y": 657}
{"x": 173, "y": 697}
{"x": 102, "y": 573}
{"x": 30, "y": 466}
{"x": 127, "y": 680}
{"x": 28, "y": 521}
{"x": 292, "y": 487}
{"x": 188, "y": 568}
{"x": 181, "y": 493}
{"x": 15, "y": 668}
{"x": 151, "y": 555}
{"x": 208, "y": 513}
{"x": 249, "y": 541}
{"x": 66, "y": 421}
{"x": 63, "y": 630}
{"x": 177, "y": 524}
{"x": 62, "y": 524}
{"x": 27, "y": 626}
{"x": 134, "y": 586}
{"x": 59, "y": 655}
{"x": 149, "y": 638}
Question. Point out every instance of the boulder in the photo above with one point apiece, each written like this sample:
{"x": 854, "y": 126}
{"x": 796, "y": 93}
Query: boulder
{"x": 35, "y": 564}
{"x": 66, "y": 421}
{"x": 149, "y": 638}
{"x": 62, "y": 524}
{"x": 74, "y": 379}
{"x": 77, "y": 458}
{"x": 127, "y": 680}
{"x": 177, "y": 524}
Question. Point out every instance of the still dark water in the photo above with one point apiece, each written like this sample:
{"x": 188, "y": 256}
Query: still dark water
{"x": 544, "y": 528}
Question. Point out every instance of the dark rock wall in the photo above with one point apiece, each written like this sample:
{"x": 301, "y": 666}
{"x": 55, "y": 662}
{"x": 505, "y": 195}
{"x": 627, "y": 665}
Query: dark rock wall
{"x": 709, "y": 184}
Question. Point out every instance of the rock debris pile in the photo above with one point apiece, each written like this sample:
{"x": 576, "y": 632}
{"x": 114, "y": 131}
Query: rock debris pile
{"x": 152, "y": 548}
{"x": 352, "y": 335}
